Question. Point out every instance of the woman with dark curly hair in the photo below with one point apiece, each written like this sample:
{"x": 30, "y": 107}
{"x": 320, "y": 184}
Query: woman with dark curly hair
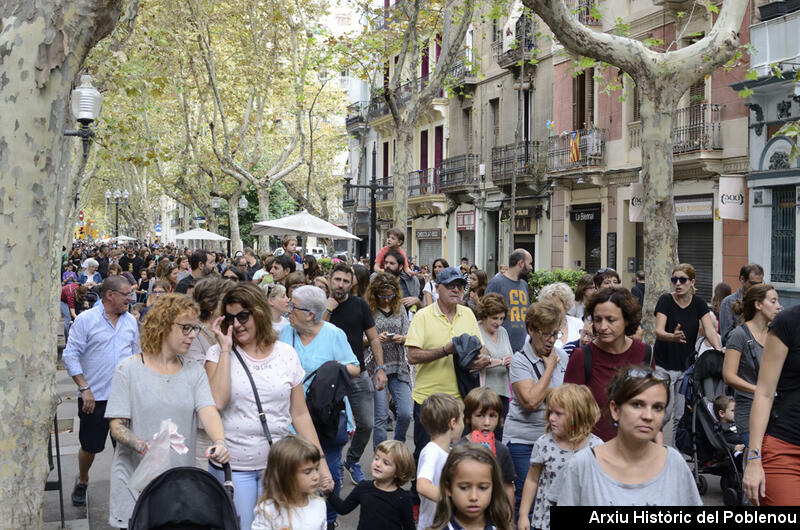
{"x": 157, "y": 385}
{"x": 311, "y": 268}
{"x": 615, "y": 316}
{"x": 391, "y": 322}
{"x": 360, "y": 280}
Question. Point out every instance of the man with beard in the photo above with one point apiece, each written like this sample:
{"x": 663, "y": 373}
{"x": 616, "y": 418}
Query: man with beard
{"x": 352, "y": 315}
{"x": 410, "y": 286}
{"x": 513, "y": 285}
{"x": 202, "y": 264}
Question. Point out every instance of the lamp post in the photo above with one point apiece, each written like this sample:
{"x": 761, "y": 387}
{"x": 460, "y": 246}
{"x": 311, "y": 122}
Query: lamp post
{"x": 117, "y": 196}
{"x": 373, "y": 188}
{"x": 216, "y": 204}
{"x": 86, "y": 103}
{"x": 243, "y": 204}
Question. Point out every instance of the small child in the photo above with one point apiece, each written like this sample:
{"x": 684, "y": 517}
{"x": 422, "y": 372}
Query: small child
{"x": 290, "y": 485}
{"x": 442, "y": 416}
{"x": 136, "y": 311}
{"x": 571, "y": 413}
{"x": 289, "y": 244}
{"x": 384, "y": 504}
{"x": 725, "y": 412}
{"x": 465, "y": 500}
{"x": 483, "y": 412}
{"x": 394, "y": 240}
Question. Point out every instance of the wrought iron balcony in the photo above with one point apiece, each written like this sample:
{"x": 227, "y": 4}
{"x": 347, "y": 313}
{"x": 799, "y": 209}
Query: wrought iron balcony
{"x": 356, "y": 114}
{"x": 464, "y": 71}
{"x": 697, "y": 128}
{"x": 388, "y": 194}
{"x": 378, "y": 106}
{"x": 582, "y": 9}
{"x": 521, "y": 48}
{"x": 520, "y": 159}
{"x": 348, "y": 197}
{"x": 577, "y": 149}
{"x": 460, "y": 171}
{"x": 423, "y": 182}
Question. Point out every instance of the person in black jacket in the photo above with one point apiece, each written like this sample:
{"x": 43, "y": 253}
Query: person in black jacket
{"x": 638, "y": 289}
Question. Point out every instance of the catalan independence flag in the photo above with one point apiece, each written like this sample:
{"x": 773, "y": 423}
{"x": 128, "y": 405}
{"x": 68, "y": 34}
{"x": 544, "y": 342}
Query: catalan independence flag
{"x": 574, "y": 146}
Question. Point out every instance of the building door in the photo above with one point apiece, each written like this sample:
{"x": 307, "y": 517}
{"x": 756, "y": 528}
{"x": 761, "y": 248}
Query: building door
{"x": 429, "y": 250}
{"x": 696, "y": 246}
{"x": 423, "y": 150}
{"x": 784, "y": 220}
{"x": 467, "y": 241}
{"x": 593, "y": 233}
{"x": 525, "y": 241}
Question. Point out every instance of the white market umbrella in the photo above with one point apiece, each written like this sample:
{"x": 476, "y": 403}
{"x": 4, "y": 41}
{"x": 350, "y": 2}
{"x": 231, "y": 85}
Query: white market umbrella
{"x": 125, "y": 238}
{"x": 201, "y": 235}
{"x": 303, "y": 224}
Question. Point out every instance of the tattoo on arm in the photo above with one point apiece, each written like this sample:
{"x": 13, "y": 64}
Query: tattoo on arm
{"x": 120, "y": 430}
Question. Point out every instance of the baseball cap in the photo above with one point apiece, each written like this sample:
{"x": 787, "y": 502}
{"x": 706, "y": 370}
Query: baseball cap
{"x": 449, "y": 275}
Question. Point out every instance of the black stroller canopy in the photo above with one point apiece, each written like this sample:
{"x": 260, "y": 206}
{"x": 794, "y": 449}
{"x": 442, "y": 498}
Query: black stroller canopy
{"x": 185, "y": 498}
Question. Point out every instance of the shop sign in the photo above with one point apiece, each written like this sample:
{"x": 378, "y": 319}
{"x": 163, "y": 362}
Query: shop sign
{"x": 732, "y": 198}
{"x": 432, "y": 233}
{"x": 588, "y": 214}
{"x": 694, "y": 209}
{"x": 465, "y": 220}
{"x": 636, "y": 208}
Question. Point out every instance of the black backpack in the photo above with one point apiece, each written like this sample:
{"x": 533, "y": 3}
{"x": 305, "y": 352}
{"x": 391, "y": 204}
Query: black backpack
{"x": 325, "y": 397}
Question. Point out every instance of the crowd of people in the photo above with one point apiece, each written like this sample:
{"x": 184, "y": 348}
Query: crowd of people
{"x": 516, "y": 404}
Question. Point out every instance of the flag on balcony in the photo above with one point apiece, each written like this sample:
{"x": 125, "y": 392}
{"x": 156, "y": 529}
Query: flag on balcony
{"x": 574, "y": 146}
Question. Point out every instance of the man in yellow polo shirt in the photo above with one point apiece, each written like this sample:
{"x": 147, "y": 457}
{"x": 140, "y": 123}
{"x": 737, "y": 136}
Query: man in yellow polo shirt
{"x": 430, "y": 345}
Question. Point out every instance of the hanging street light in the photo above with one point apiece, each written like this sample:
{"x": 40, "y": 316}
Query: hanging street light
{"x": 86, "y": 103}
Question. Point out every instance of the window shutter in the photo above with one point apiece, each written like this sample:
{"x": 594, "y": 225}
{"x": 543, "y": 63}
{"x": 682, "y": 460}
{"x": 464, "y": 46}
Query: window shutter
{"x": 589, "y": 98}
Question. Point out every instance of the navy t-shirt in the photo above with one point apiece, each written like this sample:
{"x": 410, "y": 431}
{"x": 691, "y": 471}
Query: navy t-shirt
{"x": 784, "y": 422}
{"x": 674, "y": 355}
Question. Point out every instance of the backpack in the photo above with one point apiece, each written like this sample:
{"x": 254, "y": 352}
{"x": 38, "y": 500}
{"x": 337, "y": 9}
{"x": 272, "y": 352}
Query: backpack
{"x": 325, "y": 397}
{"x": 587, "y": 360}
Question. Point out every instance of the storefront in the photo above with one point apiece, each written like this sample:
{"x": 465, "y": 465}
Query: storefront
{"x": 695, "y": 217}
{"x": 586, "y": 234}
{"x": 429, "y": 245}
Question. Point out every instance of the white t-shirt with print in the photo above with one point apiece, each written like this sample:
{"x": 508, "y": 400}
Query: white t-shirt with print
{"x": 309, "y": 517}
{"x": 274, "y": 377}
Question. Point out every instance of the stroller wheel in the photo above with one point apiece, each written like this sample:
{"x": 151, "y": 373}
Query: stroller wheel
{"x": 702, "y": 485}
{"x": 730, "y": 497}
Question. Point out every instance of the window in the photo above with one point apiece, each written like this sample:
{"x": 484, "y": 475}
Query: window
{"x": 783, "y": 234}
{"x": 697, "y": 93}
{"x": 467, "y": 122}
{"x": 494, "y": 116}
{"x": 637, "y": 112}
{"x": 583, "y": 100}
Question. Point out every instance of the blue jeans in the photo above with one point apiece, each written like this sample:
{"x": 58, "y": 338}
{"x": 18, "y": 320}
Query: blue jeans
{"x": 333, "y": 457}
{"x": 247, "y": 488}
{"x": 521, "y": 456}
{"x": 401, "y": 395}
{"x": 67, "y": 319}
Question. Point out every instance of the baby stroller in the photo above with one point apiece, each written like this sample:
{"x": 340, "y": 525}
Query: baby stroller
{"x": 186, "y": 498}
{"x": 699, "y": 433}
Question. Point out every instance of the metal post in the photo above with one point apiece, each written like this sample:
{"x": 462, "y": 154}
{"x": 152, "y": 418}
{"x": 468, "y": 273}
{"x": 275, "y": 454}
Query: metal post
{"x": 116, "y": 217}
{"x": 373, "y": 212}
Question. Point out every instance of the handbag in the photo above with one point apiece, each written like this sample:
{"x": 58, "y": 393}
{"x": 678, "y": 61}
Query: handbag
{"x": 261, "y": 416}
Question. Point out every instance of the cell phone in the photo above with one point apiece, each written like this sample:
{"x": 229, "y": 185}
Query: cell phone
{"x": 390, "y": 335}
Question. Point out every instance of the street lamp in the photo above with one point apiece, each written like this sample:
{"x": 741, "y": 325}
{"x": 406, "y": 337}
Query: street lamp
{"x": 86, "y": 105}
{"x": 117, "y": 195}
{"x": 373, "y": 188}
{"x": 243, "y": 203}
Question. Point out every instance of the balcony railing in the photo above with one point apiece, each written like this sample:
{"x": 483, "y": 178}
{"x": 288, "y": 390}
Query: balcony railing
{"x": 582, "y": 9}
{"x": 522, "y": 48}
{"x": 423, "y": 182}
{"x": 461, "y": 170}
{"x": 379, "y": 107}
{"x": 697, "y": 128}
{"x": 387, "y": 194}
{"x": 356, "y": 198}
{"x": 464, "y": 70}
{"x": 520, "y": 159}
{"x": 562, "y": 153}
{"x": 356, "y": 114}
{"x": 774, "y": 41}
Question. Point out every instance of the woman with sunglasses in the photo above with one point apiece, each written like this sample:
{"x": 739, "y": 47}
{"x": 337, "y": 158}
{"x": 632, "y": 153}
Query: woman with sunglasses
{"x": 539, "y": 366}
{"x": 614, "y": 315}
{"x": 157, "y": 385}
{"x": 317, "y": 342}
{"x": 245, "y": 329}
{"x": 629, "y": 469}
{"x": 391, "y": 322}
{"x": 679, "y": 315}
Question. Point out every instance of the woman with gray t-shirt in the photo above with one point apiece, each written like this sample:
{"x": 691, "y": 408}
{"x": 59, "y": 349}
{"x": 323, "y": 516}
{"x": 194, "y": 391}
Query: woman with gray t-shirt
{"x": 492, "y": 311}
{"x": 534, "y": 369}
{"x": 744, "y": 348}
{"x": 629, "y": 469}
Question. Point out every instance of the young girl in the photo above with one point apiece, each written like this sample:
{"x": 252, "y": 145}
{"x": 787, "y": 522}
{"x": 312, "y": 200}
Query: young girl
{"x": 471, "y": 492}
{"x": 571, "y": 413}
{"x": 384, "y": 504}
{"x": 290, "y": 484}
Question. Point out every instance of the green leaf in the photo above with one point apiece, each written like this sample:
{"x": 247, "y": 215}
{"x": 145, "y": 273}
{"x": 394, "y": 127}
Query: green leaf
{"x": 745, "y": 92}
{"x": 751, "y": 75}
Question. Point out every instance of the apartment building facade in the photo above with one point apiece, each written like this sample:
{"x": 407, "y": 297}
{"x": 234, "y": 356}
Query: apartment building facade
{"x": 521, "y": 123}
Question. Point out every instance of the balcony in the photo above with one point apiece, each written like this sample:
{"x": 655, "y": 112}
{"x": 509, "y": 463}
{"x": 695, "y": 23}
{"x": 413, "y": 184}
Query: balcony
{"x": 385, "y": 195}
{"x": 775, "y": 41}
{"x": 563, "y": 155}
{"x": 582, "y": 9}
{"x": 695, "y": 128}
{"x": 378, "y": 106}
{"x": 520, "y": 159}
{"x": 356, "y": 199}
{"x": 510, "y": 53}
{"x": 356, "y": 116}
{"x": 459, "y": 172}
{"x": 423, "y": 182}
{"x": 464, "y": 71}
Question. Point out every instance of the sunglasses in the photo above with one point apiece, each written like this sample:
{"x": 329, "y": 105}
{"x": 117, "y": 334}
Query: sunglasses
{"x": 603, "y": 271}
{"x": 187, "y": 329}
{"x": 241, "y": 316}
{"x": 386, "y": 296}
{"x": 679, "y": 280}
{"x": 654, "y": 374}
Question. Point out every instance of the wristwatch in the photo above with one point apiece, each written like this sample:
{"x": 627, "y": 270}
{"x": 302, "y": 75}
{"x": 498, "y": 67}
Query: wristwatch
{"x": 83, "y": 388}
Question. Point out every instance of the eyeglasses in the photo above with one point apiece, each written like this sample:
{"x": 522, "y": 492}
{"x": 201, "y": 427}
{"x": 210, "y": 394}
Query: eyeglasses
{"x": 554, "y": 335}
{"x": 158, "y": 293}
{"x": 242, "y": 316}
{"x": 187, "y": 329}
{"x": 126, "y": 295}
{"x": 454, "y": 286}
{"x": 654, "y": 374}
{"x": 679, "y": 280}
{"x": 386, "y": 296}
{"x": 292, "y": 307}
